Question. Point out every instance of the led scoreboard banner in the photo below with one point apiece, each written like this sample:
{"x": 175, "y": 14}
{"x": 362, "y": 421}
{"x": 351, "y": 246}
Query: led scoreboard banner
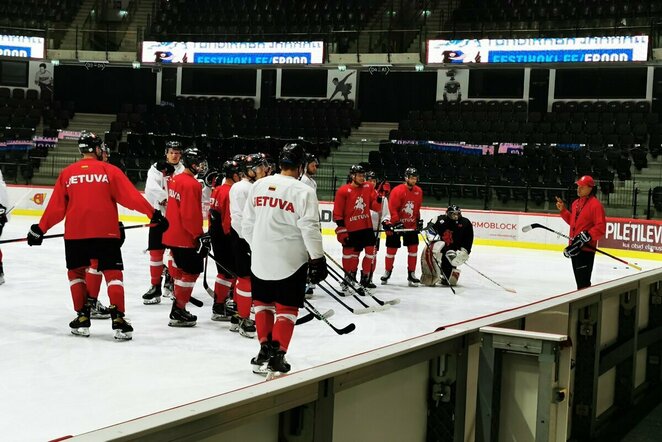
{"x": 21, "y": 46}
{"x": 540, "y": 50}
{"x": 301, "y": 52}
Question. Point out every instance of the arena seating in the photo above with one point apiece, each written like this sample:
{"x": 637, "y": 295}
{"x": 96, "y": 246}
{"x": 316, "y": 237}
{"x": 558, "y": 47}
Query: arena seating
{"x": 255, "y": 20}
{"x": 24, "y": 17}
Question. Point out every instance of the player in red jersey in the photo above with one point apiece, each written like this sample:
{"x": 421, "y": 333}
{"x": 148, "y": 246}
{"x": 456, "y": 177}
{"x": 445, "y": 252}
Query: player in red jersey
{"x": 405, "y": 209}
{"x": 187, "y": 242}
{"x": 86, "y": 195}
{"x": 351, "y": 212}
{"x": 221, "y": 242}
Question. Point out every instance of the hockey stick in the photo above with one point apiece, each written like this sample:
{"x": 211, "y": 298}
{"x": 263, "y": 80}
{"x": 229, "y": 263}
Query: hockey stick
{"x": 60, "y": 235}
{"x": 311, "y": 315}
{"x": 351, "y": 283}
{"x": 340, "y": 280}
{"x": 540, "y": 226}
{"x": 398, "y": 230}
{"x": 489, "y": 279}
{"x": 341, "y": 331}
{"x": 427, "y": 243}
{"x": 208, "y": 289}
{"x": 356, "y": 311}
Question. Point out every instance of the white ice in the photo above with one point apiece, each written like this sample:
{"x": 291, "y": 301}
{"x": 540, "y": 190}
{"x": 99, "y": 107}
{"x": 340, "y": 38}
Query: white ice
{"x": 56, "y": 384}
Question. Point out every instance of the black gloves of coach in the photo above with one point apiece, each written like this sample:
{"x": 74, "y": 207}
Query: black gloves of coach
{"x": 35, "y": 235}
{"x": 165, "y": 168}
{"x": 577, "y": 243}
{"x": 204, "y": 245}
{"x": 161, "y": 224}
{"x": 317, "y": 270}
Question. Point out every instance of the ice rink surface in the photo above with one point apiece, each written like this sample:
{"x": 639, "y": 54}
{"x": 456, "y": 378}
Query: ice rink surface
{"x": 56, "y": 384}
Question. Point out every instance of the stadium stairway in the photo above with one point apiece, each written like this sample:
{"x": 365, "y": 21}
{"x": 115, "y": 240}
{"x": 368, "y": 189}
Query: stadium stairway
{"x": 69, "y": 40}
{"x": 139, "y": 20}
{"x": 66, "y": 151}
{"x": 354, "y": 150}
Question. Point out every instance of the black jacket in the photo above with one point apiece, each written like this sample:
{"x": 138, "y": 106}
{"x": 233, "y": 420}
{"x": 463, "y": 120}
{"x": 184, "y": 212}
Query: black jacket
{"x": 455, "y": 234}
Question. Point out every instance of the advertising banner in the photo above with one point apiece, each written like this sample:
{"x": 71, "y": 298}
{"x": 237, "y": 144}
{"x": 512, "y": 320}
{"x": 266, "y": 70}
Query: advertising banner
{"x": 633, "y": 234}
{"x": 540, "y": 50}
{"x": 21, "y": 46}
{"x": 300, "y": 52}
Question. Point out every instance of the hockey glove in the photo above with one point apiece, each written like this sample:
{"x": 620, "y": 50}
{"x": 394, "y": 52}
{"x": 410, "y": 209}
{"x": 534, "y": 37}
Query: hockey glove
{"x": 317, "y": 270}
{"x": 122, "y": 234}
{"x": 35, "y": 235}
{"x": 457, "y": 257}
{"x": 204, "y": 245}
{"x": 388, "y": 227}
{"x": 165, "y": 168}
{"x": 160, "y": 223}
{"x": 341, "y": 235}
{"x": 419, "y": 225}
{"x": 398, "y": 227}
{"x": 576, "y": 245}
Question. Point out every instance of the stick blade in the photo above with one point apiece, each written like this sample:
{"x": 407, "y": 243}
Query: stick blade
{"x": 510, "y": 290}
{"x": 350, "y": 328}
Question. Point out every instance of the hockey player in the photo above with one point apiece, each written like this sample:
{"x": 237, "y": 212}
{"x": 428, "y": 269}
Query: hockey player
{"x": 255, "y": 168}
{"x": 586, "y": 219}
{"x": 4, "y": 203}
{"x": 156, "y": 192}
{"x": 351, "y": 213}
{"x": 312, "y": 163}
{"x": 281, "y": 224}
{"x": 86, "y": 195}
{"x": 219, "y": 230}
{"x": 378, "y": 217}
{"x": 187, "y": 242}
{"x": 457, "y": 233}
{"x": 405, "y": 209}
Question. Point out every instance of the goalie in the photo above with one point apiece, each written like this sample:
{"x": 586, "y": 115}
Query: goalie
{"x": 450, "y": 248}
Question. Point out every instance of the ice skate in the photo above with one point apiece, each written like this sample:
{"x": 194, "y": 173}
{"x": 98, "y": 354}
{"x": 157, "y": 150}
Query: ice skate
{"x": 247, "y": 328}
{"x": 309, "y": 291}
{"x": 371, "y": 285}
{"x": 384, "y": 279}
{"x": 277, "y": 365}
{"x": 221, "y": 312}
{"x": 153, "y": 295}
{"x": 122, "y": 327}
{"x": 180, "y": 317}
{"x": 412, "y": 280}
{"x": 259, "y": 362}
{"x": 168, "y": 284}
{"x": 347, "y": 282}
{"x": 365, "y": 284}
{"x": 2, "y": 275}
{"x": 97, "y": 309}
{"x": 81, "y": 325}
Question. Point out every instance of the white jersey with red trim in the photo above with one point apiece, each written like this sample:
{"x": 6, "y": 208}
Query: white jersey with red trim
{"x": 238, "y": 195}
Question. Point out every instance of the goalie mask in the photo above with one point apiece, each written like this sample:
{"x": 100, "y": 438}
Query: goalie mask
{"x": 453, "y": 212}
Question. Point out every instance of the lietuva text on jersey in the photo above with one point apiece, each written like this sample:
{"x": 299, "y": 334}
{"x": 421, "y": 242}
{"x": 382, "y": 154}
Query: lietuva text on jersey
{"x": 263, "y": 201}
{"x": 174, "y": 194}
{"x": 87, "y": 178}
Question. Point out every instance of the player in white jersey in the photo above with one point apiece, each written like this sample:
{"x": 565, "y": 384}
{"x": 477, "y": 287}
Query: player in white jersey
{"x": 312, "y": 163}
{"x": 4, "y": 203}
{"x": 156, "y": 192}
{"x": 281, "y": 224}
{"x": 255, "y": 167}
{"x": 377, "y": 218}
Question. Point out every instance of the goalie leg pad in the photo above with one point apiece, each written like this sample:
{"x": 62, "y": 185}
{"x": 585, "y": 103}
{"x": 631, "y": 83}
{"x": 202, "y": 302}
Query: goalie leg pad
{"x": 455, "y": 275}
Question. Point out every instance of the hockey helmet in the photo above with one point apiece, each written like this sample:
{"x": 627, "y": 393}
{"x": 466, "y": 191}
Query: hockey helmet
{"x": 293, "y": 155}
{"x": 586, "y": 180}
{"x": 312, "y": 158}
{"x": 194, "y": 160}
{"x": 174, "y": 145}
{"x": 454, "y": 212}
{"x": 254, "y": 160}
{"x": 411, "y": 171}
{"x": 371, "y": 175}
{"x": 88, "y": 142}
{"x": 230, "y": 168}
{"x": 356, "y": 168}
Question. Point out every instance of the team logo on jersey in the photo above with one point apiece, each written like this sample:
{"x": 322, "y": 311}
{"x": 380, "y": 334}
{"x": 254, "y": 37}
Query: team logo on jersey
{"x": 409, "y": 208}
{"x": 359, "y": 204}
{"x": 272, "y": 188}
{"x": 87, "y": 178}
{"x": 38, "y": 198}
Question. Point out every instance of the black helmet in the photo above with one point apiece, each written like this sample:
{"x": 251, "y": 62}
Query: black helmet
{"x": 356, "y": 168}
{"x": 173, "y": 144}
{"x": 194, "y": 160}
{"x": 88, "y": 142}
{"x": 231, "y": 167}
{"x": 292, "y": 155}
{"x": 411, "y": 171}
{"x": 370, "y": 175}
{"x": 255, "y": 160}
{"x": 453, "y": 210}
{"x": 312, "y": 158}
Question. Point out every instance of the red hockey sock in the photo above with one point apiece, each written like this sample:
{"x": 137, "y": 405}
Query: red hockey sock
{"x": 368, "y": 260}
{"x": 264, "y": 319}
{"x": 184, "y": 288}
{"x": 115, "y": 283}
{"x": 93, "y": 279}
{"x": 243, "y": 297}
{"x": 286, "y": 317}
{"x": 350, "y": 259}
{"x": 174, "y": 271}
{"x": 222, "y": 287}
{"x": 77, "y": 287}
{"x": 412, "y": 254}
{"x": 390, "y": 258}
{"x": 155, "y": 266}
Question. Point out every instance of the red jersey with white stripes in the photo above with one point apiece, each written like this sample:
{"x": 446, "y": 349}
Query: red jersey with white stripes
{"x": 86, "y": 195}
{"x": 220, "y": 202}
{"x": 405, "y": 205}
{"x": 353, "y": 204}
{"x": 183, "y": 211}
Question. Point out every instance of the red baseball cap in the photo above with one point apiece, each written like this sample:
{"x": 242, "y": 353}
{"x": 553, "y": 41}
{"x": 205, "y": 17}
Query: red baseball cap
{"x": 586, "y": 180}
